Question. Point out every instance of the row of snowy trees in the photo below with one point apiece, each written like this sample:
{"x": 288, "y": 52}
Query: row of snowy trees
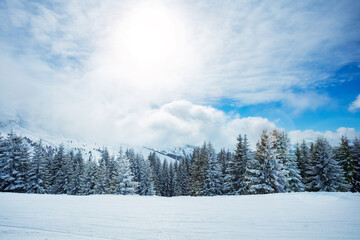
{"x": 49, "y": 170}
{"x": 273, "y": 167}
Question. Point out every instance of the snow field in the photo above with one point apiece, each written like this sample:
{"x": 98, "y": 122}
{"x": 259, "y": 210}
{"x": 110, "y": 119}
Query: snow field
{"x": 274, "y": 216}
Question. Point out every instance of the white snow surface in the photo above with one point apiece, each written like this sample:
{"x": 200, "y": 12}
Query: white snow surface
{"x": 276, "y": 216}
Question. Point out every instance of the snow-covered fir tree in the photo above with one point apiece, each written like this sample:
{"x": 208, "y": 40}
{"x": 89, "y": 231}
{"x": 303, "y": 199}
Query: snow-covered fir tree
{"x": 126, "y": 184}
{"x": 292, "y": 174}
{"x": 343, "y": 156}
{"x": 155, "y": 165}
{"x": 326, "y": 174}
{"x": 77, "y": 175}
{"x": 251, "y": 179}
{"x": 183, "y": 178}
{"x": 355, "y": 151}
{"x": 15, "y": 165}
{"x": 135, "y": 161}
{"x": 165, "y": 179}
{"x": 235, "y": 167}
{"x": 37, "y": 170}
{"x": 146, "y": 185}
{"x": 5, "y": 167}
{"x": 310, "y": 173}
{"x": 69, "y": 170}
{"x": 113, "y": 169}
{"x": 213, "y": 179}
{"x": 172, "y": 179}
{"x": 89, "y": 179}
{"x": 49, "y": 172}
{"x": 241, "y": 157}
{"x": 229, "y": 178}
{"x": 103, "y": 176}
{"x": 268, "y": 166}
{"x": 303, "y": 160}
{"x": 268, "y": 178}
{"x": 280, "y": 142}
{"x": 59, "y": 169}
{"x": 222, "y": 161}
{"x": 199, "y": 163}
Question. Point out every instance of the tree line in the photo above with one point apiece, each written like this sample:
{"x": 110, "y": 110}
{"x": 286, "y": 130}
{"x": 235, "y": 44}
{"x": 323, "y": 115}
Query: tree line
{"x": 273, "y": 167}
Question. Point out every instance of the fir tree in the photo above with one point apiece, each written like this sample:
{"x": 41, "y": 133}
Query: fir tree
{"x": 326, "y": 175}
{"x": 113, "y": 169}
{"x": 49, "y": 172}
{"x": 165, "y": 179}
{"x": 77, "y": 175}
{"x": 355, "y": 151}
{"x": 292, "y": 175}
{"x": 268, "y": 166}
{"x": 280, "y": 145}
{"x": 222, "y": 160}
{"x": 213, "y": 181}
{"x": 69, "y": 171}
{"x": 172, "y": 179}
{"x": 198, "y": 166}
{"x": 5, "y": 167}
{"x": 15, "y": 165}
{"x": 304, "y": 161}
{"x": 230, "y": 179}
{"x": 146, "y": 185}
{"x": 251, "y": 183}
{"x": 155, "y": 165}
{"x": 183, "y": 178}
{"x": 36, "y": 174}
{"x": 311, "y": 174}
{"x": 263, "y": 174}
{"x": 89, "y": 179}
{"x": 241, "y": 157}
{"x": 134, "y": 164}
{"x": 126, "y": 185}
{"x": 59, "y": 168}
{"x": 343, "y": 156}
{"x": 103, "y": 176}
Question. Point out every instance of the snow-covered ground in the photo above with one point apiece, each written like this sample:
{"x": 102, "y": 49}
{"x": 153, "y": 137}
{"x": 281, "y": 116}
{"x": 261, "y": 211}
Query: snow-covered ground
{"x": 278, "y": 216}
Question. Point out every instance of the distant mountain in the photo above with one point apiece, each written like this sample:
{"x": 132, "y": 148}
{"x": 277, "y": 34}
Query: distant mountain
{"x": 176, "y": 153}
{"x": 87, "y": 149}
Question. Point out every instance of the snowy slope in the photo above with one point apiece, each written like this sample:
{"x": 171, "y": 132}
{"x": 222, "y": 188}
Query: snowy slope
{"x": 278, "y": 216}
{"x": 174, "y": 153}
{"x": 171, "y": 155}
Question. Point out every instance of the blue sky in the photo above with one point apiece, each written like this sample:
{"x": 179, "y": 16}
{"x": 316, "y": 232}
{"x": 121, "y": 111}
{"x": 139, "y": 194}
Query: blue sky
{"x": 165, "y": 73}
{"x": 342, "y": 88}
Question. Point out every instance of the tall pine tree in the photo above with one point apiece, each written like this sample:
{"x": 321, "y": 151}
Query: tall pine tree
{"x": 213, "y": 179}
{"x": 355, "y": 150}
{"x": 343, "y": 156}
{"x": 326, "y": 174}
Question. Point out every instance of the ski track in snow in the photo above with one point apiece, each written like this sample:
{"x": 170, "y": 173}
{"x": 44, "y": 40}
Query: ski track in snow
{"x": 276, "y": 216}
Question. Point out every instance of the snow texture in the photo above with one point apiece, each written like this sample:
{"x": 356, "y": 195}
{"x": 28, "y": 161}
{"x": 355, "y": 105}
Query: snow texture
{"x": 274, "y": 216}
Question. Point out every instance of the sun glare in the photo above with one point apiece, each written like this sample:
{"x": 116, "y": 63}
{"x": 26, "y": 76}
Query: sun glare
{"x": 152, "y": 37}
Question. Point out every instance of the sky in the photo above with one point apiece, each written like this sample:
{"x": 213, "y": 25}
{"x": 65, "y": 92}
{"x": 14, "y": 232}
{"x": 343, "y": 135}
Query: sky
{"x": 166, "y": 73}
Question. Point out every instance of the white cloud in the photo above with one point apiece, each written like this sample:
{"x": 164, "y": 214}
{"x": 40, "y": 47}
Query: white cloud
{"x": 332, "y": 137}
{"x": 182, "y": 122}
{"x": 355, "y": 105}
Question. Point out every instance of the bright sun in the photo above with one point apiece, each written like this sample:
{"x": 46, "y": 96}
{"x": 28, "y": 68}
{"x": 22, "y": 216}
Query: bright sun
{"x": 151, "y": 37}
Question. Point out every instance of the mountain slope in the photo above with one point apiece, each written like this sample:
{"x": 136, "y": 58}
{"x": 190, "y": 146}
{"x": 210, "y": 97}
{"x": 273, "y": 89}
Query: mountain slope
{"x": 13, "y": 125}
